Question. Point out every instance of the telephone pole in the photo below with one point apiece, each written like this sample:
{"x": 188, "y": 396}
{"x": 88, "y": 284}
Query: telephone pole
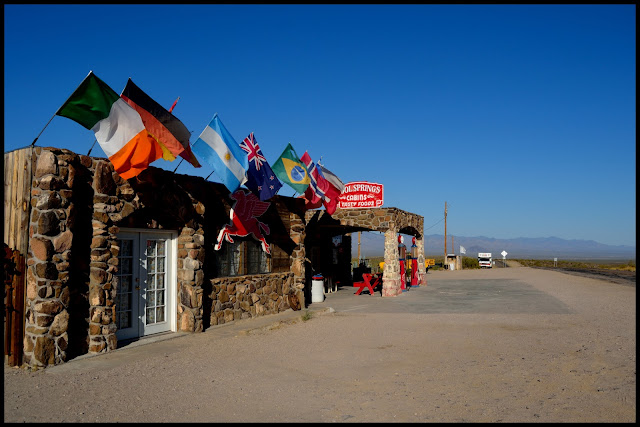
{"x": 444, "y": 262}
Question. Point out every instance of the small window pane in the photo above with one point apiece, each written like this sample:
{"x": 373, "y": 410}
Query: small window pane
{"x": 124, "y": 284}
{"x": 151, "y": 248}
{"x": 151, "y": 315}
{"x": 160, "y": 298}
{"x": 125, "y": 266}
{"x": 151, "y": 298}
{"x": 126, "y": 247}
{"x": 160, "y": 247}
{"x": 160, "y": 313}
{"x": 160, "y": 264}
{"x": 160, "y": 281}
{"x": 151, "y": 283}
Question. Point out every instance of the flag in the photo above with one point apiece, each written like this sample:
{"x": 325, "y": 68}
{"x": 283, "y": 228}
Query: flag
{"x": 218, "y": 148}
{"x": 462, "y": 250}
{"x": 313, "y": 194}
{"x": 321, "y": 190}
{"x": 332, "y": 178}
{"x": 333, "y": 190}
{"x": 260, "y": 178}
{"x": 291, "y": 170}
{"x": 172, "y": 135}
{"x": 117, "y": 126}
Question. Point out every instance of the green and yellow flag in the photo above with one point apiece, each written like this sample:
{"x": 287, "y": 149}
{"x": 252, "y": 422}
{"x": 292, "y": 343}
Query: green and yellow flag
{"x": 290, "y": 170}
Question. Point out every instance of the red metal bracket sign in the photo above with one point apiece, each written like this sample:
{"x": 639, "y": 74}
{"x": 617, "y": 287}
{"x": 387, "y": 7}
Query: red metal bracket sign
{"x": 361, "y": 194}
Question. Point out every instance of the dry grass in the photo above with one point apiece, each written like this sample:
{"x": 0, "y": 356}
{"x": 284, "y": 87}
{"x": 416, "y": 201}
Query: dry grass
{"x": 628, "y": 266}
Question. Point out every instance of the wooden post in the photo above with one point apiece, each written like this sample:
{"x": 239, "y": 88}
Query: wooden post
{"x": 444, "y": 262}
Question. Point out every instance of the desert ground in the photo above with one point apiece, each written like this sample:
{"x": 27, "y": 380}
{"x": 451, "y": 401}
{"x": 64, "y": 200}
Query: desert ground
{"x": 499, "y": 345}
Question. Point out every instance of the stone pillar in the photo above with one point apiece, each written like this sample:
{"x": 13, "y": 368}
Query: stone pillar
{"x": 102, "y": 310}
{"x": 47, "y": 294}
{"x": 422, "y": 272}
{"x": 298, "y": 235}
{"x": 190, "y": 279}
{"x": 391, "y": 285}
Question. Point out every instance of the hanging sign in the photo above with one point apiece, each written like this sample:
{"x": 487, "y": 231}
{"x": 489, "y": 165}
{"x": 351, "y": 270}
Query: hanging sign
{"x": 244, "y": 220}
{"x": 361, "y": 194}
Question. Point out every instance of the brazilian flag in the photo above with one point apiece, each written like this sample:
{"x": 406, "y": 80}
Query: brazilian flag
{"x": 290, "y": 170}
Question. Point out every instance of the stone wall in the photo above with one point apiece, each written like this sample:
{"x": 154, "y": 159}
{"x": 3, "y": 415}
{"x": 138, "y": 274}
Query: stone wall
{"x": 79, "y": 204}
{"x": 390, "y": 221}
{"x": 244, "y": 297}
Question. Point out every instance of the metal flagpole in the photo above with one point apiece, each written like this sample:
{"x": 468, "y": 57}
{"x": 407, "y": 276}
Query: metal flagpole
{"x": 174, "y": 104}
{"x": 181, "y": 160}
{"x": 54, "y": 114}
{"x": 45, "y": 126}
{"x": 94, "y": 143}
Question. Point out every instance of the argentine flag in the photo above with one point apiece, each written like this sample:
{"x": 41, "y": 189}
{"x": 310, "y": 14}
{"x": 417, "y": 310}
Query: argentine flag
{"x": 218, "y": 148}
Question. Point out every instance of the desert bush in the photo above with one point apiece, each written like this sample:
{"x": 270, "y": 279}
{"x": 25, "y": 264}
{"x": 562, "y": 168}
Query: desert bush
{"x": 469, "y": 263}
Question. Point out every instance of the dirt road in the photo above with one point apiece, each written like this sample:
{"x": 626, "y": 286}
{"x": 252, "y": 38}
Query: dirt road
{"x": 500, "y": 345}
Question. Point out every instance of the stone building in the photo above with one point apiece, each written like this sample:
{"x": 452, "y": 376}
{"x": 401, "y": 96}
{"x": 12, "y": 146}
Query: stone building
{"x": 110, "y": 260}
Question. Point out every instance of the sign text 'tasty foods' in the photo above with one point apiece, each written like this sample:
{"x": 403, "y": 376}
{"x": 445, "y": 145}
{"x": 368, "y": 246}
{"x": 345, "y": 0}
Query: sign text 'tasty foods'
{"x": 361, "y": 194}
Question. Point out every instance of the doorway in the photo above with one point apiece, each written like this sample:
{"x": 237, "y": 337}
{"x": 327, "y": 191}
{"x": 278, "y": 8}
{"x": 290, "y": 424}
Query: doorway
{"x": 145, "y": 283}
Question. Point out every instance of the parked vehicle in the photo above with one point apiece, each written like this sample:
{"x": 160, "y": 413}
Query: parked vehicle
{"x": 484, "y": 259}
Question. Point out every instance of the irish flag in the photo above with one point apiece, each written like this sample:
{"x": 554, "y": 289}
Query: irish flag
{"x": 118, "y": 126}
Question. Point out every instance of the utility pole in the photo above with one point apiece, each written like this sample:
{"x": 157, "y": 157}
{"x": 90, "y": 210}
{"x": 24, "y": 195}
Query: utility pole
{"x": 444, "y": 262}
{"x": 453, "y": 248}
{"x": 359, "y": 233}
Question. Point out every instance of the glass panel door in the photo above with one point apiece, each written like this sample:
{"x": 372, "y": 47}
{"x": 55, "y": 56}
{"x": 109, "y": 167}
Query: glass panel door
{"x": 126, "y": 284}
{"x": 144, "y": 284}
{"x": 154, "y": 264}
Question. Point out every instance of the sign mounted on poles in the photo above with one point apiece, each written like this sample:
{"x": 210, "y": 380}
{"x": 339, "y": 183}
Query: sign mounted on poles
{"x": 361, "y": 194}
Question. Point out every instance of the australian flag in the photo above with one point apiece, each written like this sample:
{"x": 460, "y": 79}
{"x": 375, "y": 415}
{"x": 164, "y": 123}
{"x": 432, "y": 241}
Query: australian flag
{"x": 260, "y": 178}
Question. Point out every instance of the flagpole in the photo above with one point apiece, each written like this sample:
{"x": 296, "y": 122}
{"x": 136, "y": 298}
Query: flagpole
{"x": 94, "y": 143}
{"x": 173, "y": 105}
{"x": 181, "y": 160}
{"x": 54, "y": 114}
{"x": 45, "y": 126}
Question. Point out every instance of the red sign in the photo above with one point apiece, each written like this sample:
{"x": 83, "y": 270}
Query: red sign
{"x": 361, "y": 194}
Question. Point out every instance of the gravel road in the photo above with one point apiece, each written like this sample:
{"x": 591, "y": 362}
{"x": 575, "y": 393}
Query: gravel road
{"x": 539, "y": 346}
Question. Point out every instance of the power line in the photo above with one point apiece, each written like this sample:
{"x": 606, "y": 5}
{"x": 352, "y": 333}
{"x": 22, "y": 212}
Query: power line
{"x": 435, "y": 224}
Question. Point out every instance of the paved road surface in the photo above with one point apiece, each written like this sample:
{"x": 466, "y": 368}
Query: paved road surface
{"x": 499, "y": 345}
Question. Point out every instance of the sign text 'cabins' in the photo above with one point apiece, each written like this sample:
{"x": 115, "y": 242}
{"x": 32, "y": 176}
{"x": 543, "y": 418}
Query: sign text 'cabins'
{"x": 361, "y": 194}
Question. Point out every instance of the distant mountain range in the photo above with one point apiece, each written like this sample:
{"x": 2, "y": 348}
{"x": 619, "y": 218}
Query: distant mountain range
{"x": 372, "y": 245}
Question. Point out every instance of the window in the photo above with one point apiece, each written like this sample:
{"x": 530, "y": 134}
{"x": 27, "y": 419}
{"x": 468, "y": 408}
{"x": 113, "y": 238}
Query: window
{"x": 245, "y": 256}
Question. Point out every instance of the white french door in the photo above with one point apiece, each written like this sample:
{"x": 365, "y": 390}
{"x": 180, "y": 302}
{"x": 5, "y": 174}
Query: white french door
{"x": 145, "y": 283}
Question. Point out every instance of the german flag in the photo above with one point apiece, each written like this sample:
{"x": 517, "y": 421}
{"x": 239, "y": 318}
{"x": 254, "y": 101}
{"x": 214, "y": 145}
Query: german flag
{"x": 172, "y": 135}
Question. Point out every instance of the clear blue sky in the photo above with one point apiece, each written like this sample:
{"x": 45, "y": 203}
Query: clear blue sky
{"x": 520, "y": 117}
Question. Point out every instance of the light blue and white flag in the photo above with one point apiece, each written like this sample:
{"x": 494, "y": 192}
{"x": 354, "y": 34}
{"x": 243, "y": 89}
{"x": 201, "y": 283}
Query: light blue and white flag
{"x": 462, "y": 250}
{"x": 218, "y": 148}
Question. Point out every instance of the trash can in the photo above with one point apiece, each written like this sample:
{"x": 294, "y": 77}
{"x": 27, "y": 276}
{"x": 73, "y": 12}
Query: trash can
{"x": 317, "y": 288}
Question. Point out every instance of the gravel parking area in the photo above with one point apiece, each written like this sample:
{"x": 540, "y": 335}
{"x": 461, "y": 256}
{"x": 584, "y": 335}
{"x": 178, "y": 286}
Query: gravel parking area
{"x": 498, "y": 345}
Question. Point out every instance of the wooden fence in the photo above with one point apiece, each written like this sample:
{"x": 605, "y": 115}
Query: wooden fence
{"x": 19, "y": 166}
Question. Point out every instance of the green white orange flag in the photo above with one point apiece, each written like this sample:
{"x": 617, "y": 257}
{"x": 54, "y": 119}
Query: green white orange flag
{"x": 118, "y": 127}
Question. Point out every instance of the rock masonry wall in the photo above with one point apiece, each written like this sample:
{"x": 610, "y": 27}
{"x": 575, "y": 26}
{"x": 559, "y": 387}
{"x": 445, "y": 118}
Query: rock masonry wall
{"x": 78, "y": 204}
{"x": 390, "y": 221}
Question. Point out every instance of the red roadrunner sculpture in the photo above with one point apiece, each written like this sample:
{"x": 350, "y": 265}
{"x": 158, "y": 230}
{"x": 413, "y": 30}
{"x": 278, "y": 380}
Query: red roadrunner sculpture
{"x": 243, "y": 219}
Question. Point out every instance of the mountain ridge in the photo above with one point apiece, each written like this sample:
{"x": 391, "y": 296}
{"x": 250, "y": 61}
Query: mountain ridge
{"x": 372, "y": 245}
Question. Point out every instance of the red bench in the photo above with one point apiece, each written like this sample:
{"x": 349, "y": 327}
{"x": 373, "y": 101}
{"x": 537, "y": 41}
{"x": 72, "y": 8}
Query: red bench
{"x": 369, "y": 281}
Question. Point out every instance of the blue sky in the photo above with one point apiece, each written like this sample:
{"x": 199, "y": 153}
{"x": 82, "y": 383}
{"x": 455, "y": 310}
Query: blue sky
{"x": 520, "y": 117}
